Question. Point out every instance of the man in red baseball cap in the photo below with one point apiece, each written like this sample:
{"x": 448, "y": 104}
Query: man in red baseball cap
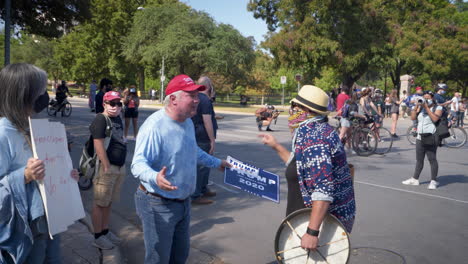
{"x": 165, "y": 163}
{"x": 182, "y": 83}
{"x": 182, "y": 97}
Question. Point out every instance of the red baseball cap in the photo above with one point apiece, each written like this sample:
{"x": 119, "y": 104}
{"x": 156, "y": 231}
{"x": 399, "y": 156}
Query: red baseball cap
{"x": 418, "y": 88}
{"x": 112, "y": 95}
{"x": 183, "y": 83}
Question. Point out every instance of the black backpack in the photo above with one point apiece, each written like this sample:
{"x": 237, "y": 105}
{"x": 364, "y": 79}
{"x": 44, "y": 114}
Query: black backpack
{"x": 442, "y": 129}
{"x": 89, "y": 161}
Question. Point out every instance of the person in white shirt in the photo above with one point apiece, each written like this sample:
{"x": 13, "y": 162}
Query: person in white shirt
{"x": 454, "y": 105}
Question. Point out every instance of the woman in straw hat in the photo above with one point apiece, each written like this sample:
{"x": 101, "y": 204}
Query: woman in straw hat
{"x": 317, "y": 171}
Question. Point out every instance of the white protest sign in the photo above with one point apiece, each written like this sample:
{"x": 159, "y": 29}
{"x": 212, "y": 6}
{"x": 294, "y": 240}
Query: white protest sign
{"x": 60, "y": 194}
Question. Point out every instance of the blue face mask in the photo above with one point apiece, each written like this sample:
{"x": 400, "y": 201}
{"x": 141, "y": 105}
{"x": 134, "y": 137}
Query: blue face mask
{"x": 429, "y": 101}
{"x": 443, "y": 92}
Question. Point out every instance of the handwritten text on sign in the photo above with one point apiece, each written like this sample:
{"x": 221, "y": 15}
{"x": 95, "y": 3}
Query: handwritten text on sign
{"x": 58, "y": 190}
{"x": 253, "y": 180}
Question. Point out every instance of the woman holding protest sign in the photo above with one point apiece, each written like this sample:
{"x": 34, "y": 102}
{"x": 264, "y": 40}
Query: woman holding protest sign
{"x": 24, "y": 235}
{"x": 317, "y": 171}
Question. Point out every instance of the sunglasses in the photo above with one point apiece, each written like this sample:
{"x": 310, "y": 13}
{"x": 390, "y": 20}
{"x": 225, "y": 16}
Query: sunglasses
{"x": 113, "y": 104}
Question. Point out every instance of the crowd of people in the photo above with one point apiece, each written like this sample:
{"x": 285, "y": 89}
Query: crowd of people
{"x": 174, "y": 154}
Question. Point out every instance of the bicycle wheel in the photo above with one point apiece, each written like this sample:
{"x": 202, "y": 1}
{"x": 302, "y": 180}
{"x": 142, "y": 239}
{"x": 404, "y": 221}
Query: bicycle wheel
{"x": 457, "y": 138}
{"x": 50, "y": 110}
{"x": 364, "y": 142}
{"x": 385, "y": 140}
{"x": 84, "y": 184}
{"x": 411, "y": 135}
{"x": 66, "y": 110}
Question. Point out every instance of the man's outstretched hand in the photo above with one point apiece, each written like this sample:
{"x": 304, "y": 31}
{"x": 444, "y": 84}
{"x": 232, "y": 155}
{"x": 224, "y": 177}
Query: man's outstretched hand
{"x": 224, "y": 164}
{"x": 161, "y": 181}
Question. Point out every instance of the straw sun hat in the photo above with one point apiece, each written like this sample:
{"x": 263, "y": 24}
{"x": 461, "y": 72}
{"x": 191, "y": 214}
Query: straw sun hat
{"x": 313, "y": 98}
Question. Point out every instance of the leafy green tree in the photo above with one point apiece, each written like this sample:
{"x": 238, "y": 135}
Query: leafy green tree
{"x": 230, "y": 54}
{"x": 190, "y": 43}
{"x": 94, "y": 49}
{"x": 47, "y": 18}
{"x": 344, "y": 35}
{"x": 329, "y": 79}
{"x": 39, "y": 51}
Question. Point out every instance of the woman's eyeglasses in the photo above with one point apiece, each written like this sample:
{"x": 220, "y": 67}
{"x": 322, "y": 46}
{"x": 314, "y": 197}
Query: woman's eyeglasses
{"x": 113, "y": 104}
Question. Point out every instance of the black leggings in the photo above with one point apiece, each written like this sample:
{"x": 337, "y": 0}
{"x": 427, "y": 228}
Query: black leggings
{"x": 431, "y": 152}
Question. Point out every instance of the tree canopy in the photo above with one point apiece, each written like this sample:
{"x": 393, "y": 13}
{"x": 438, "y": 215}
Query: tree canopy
{"x": 47, "y": 18}
{"x": 426, "y": 38}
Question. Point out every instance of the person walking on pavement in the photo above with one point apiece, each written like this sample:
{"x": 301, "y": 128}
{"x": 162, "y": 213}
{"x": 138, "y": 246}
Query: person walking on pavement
{"x": 165, "y": 161}
{"x": 455, "y": 107}
{"x": 395, "y": 111}
{"x": 92, "y": 95}
{"x": 105, "y": 85}
{"x": 317, "y": 172}
{"x": 205, "y": 133}
{"x": 24, "y": 233}
{"x": 426, "y": 141}
{"x": 111, "y": 173}
{"x": 131, "y": 102}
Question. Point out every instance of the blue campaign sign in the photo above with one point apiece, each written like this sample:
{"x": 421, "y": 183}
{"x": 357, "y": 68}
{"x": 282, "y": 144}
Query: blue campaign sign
{"x": 252, "y": 179}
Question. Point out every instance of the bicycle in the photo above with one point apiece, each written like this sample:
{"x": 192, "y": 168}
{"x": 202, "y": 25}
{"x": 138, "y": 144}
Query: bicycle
{"x": 457, "y": 138}
{"x": 65, "y": 108}
{"x": 384, "y": 138}
{"x": 367, "y": 140}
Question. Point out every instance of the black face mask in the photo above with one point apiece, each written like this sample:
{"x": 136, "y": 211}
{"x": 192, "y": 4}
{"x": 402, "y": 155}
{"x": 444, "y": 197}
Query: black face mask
{"x": 41, "y": 102}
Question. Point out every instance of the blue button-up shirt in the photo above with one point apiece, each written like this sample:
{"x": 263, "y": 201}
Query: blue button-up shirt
{"x": 164, "y": 142}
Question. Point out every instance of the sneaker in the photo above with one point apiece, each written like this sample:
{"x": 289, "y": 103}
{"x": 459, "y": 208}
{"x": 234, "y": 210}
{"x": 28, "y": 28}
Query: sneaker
{"x": 103, "y": 243}
{"x": 113, "y": 238}
{"x": 268, "y": 129}
{"x": 394, "y": 136}
{"x": 411, "y": 181}
{"x": 210, "y": 183}
{"x": 433, "y": 185}
{"x": 201, "y": 200}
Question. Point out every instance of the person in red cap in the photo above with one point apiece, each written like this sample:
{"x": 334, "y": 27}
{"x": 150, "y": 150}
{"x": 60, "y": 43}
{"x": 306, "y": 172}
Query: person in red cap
{"x": 165, "y": 162}
{"x": 111, "y": 151}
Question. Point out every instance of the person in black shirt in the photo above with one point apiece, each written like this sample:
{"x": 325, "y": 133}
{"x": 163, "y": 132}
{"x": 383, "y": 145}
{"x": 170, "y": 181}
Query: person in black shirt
{"x": 105, "y": 85}
{"x": 111, "y": 170}
{"x": 205, "y": 132}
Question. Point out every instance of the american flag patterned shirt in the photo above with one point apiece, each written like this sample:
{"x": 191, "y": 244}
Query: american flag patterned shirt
{"x": 323, "y": 171}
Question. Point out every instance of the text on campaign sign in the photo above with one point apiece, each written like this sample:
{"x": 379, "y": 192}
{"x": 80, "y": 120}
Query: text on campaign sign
{"x": 252, "y": 179}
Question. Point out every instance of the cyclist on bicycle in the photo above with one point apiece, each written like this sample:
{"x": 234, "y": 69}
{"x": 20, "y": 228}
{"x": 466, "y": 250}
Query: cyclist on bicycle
{"x": 349, "y": 112}
{"x": 368, "y": 107}
{"x": 61, "y": 93}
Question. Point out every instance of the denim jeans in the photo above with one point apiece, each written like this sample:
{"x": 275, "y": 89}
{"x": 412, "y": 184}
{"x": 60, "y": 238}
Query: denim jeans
{"x": 166, "y": 228}
{"x": 45, "y": 250}
{"x": 203, "y": 173}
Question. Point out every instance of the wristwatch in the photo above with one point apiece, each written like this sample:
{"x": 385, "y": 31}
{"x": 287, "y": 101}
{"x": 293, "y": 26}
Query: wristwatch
{"x": 313, "y": 232}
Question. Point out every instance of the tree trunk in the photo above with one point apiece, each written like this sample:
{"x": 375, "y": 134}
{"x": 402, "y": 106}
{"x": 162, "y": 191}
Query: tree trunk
{"x": 349, "y": 81}
{"x": 141, "y": 80}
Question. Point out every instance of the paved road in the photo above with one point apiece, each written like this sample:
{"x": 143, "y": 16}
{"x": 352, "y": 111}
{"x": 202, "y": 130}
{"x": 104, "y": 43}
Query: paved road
{"x": 394, "y": 224}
